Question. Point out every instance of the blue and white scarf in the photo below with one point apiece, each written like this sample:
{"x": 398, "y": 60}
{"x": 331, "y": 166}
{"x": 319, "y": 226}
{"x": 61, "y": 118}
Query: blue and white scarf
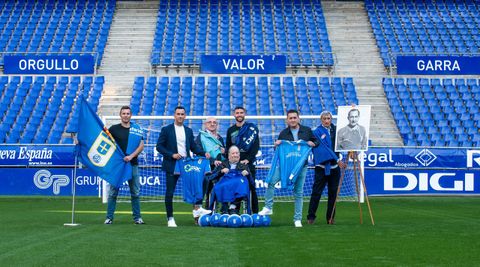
{"x": 210, "y": 144}
{"x": 246, "y": 136}
{"x": 323, "y": 153}
{"x": 135, "y": 136}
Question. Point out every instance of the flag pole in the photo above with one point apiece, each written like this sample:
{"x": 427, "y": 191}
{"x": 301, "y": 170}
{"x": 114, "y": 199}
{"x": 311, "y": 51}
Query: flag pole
{"x": 73, "y": 187}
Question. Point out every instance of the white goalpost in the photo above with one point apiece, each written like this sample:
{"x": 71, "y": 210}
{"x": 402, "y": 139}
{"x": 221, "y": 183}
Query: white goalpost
{"x": 152, "y": 178}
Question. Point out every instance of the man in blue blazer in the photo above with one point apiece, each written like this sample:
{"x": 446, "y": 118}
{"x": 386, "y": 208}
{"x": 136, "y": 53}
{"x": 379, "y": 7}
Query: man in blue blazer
{"x": 175, "y": 142}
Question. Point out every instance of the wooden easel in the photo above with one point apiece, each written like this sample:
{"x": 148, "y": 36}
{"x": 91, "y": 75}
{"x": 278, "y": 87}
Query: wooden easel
{"x": 357, "y": 171}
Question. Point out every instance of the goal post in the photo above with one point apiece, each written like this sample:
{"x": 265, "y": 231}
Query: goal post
{"x": 152, "y": 178}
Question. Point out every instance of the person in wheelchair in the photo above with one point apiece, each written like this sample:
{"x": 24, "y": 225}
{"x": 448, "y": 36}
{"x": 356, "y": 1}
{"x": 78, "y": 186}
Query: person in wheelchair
{"x": 231, "y": 178}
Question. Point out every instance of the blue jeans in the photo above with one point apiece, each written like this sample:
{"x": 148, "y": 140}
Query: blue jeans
{"x": 297, "y": 192}
{"x": 134, "y": 185}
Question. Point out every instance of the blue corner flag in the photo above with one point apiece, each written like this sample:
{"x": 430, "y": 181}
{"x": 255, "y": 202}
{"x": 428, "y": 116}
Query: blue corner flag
{"x": 98, "y": 150}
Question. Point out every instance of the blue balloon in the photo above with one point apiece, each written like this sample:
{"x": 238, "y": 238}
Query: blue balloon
{"x": 204, "y": 220}
{"x": 247, "y": 220}
{"x": 215, "y": 220}
{"x": 257, "y": 220}
{"x": 266, "y": 221}
{"x": 234, "y": 221}
{"x": 224, "y": 220}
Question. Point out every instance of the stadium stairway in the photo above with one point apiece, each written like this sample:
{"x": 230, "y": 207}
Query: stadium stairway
{"x": 127, "y": 53}
{"x": 357, "y": 56}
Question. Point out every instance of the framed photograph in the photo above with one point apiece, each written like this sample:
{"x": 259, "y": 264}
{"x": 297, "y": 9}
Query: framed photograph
{"x": 353, "y": 127}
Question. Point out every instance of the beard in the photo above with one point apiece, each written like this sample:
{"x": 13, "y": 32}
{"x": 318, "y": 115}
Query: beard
{"x": 240, "y": 118}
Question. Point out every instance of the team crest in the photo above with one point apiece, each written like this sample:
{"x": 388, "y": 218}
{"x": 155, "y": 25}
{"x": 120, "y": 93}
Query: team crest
{"x": 101, "y": 151}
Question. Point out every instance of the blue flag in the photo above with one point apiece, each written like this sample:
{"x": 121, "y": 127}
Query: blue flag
{"x": 98, "y": 150}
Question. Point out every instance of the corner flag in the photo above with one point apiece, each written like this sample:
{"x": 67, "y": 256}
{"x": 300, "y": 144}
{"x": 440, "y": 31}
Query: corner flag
{"x": 98, "y": 150}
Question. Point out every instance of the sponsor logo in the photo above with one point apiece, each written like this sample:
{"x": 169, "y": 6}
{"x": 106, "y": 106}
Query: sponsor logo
{"x": 473, "y": 156}
{"x": 87, "y": 180}
{"x": 294, "y": 154}
{"x": 189, "y": 168}
{"x": 144, "y": 181}
{"x": 26, "y": 153}
{"x": 259, "y": 159}
{"x": 425, "y": 157}
{"x": 428, "y": 182}
{"x": 372, "y": 159}
{"x": 43, "y": 179}
{"x": 157, "y": 156}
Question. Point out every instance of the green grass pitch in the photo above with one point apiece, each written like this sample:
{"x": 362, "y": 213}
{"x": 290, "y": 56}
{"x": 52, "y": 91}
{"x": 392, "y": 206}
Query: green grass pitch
{"x": 415, "y": 231}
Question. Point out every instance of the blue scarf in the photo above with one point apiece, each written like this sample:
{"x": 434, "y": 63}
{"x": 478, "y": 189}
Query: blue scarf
{"x": 323, "y": 152}
{"x": 135, "y": 136}
{"x": 210, "y": 144}
{"x": 246, "y": 136}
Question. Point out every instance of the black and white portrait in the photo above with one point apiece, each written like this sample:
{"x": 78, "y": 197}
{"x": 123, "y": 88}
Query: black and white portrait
{"x": 353, "y": 128}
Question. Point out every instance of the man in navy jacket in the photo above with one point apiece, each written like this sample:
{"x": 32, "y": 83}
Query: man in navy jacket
{"x": 175, "y": 142}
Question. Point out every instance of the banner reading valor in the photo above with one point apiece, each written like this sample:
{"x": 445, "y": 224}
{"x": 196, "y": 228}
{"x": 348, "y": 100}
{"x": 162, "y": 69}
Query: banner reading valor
{"x": 51, "y": 64}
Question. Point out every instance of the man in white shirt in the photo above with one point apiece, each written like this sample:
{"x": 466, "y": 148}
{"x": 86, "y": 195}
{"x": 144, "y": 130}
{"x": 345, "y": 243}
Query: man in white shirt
{"x": 175, "y": 142}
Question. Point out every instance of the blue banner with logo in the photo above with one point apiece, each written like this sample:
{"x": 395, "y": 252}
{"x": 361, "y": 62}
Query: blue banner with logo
{"x": 243, "y": 64}
{"x": 404, "y": 157}
{"x": 438, "y": 65}
{"x": 422, "y": 171}
{"x": 47, "y": 182}
{"x": 387, "y": 171}
{"x": 98, "y": 150}
{"x": 32, "y": 155}
{"x": 422, "y": 182}
{"x": 48, "y": 64}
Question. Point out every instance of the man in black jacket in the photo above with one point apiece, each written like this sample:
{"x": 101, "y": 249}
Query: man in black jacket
{"x": 249, "y": 145}
{"x": 294, "y": 132}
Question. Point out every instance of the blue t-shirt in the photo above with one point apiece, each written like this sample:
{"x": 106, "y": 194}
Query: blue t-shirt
{"x": 295, "y": 134}
{"x": 192, "y": 171}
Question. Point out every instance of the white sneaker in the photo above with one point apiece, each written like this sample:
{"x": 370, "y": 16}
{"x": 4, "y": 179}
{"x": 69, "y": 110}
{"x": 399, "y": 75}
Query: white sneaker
{"x": 298, "y": 223}
{"x": 201, "y": 211}
{"x": 171, "y": 222}
{"x": 265, "y": 211}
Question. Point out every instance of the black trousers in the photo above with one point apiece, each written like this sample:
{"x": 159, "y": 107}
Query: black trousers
{"x": 172, "y": 180}
{"x": 321, "y": 180}
{"x": 253, "y": 190}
